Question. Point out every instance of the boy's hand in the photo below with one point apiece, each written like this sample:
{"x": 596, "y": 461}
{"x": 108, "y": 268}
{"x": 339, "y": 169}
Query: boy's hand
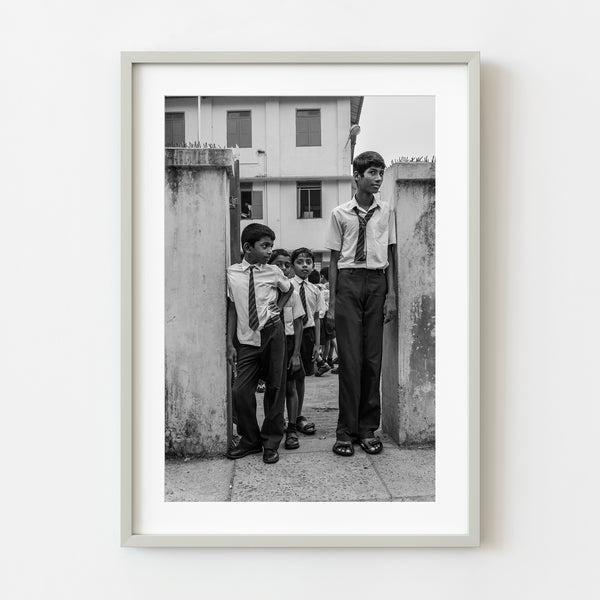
{"x": 232, "y": 356}
{"x": 389, "y": 308}
{"x": 330, "y": 317}
{"x": 315, "y": 353}
{"x": 294, "y": 364}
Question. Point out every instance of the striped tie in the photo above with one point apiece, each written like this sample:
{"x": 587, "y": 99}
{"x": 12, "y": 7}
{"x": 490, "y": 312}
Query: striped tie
{"x": 361, "y": 255}
{"x": 252, "y": 312}
{"x": 303, "y": 299}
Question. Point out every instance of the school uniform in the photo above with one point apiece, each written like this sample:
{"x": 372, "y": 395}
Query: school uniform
{"x": 360, "y": 296}
{"x": 261, "y": 351}
{"x": 313, "y": 302}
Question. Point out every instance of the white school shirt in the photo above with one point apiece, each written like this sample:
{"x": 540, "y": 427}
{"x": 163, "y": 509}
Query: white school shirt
{"x": 314, "y": 298}
{"x": 380, "y": 232}
{"x": 292, "y": 309}
{"x": 267, "y": 278}
{"x": 324, "y": 299}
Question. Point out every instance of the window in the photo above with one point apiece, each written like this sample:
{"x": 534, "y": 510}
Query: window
{"x": 309, "y": 199}
{"x": 251, "y": 202}
{"x": 308, "y": 127}
{"x": 174, "y": 129}
{"x": 239, "y": 129}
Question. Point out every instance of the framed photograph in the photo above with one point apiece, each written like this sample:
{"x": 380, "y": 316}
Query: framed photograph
{"x": 300, "y": 299}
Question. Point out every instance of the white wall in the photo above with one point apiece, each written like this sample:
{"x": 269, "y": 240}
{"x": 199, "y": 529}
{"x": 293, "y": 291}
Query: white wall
{"x": 60, "y": 302}
{"x": 188, "y": 106}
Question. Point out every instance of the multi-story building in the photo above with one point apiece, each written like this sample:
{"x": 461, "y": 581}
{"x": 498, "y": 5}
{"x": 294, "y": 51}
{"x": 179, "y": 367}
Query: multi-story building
{"x": 295, "y": 156}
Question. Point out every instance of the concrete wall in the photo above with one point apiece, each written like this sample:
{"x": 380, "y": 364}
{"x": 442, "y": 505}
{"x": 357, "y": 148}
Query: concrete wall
{"x": 197, "y": 184}
{"x": 409, "y": 343}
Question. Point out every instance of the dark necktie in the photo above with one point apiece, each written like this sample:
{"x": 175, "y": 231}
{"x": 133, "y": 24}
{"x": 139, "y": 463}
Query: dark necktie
{"x": 361, "y": 255}
{"x": 303, "y": 299}
{"x": 252, "y": 312}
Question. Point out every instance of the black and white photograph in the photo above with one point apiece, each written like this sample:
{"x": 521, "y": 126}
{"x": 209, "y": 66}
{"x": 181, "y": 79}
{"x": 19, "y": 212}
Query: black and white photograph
{"x": 300, "y": 304}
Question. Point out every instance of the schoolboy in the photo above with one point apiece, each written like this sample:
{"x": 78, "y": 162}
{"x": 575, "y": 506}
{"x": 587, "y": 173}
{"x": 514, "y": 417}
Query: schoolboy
{"x": 311, "y": 298}
{"x": 254, "y": 316}
{"x": 362, "y": 238}
{"x": 293, "y": 315}
{"x": 327, "y": 329}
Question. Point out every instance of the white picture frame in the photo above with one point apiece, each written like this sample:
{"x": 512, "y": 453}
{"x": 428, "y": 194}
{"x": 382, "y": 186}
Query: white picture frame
{"x": 467, "y": 166}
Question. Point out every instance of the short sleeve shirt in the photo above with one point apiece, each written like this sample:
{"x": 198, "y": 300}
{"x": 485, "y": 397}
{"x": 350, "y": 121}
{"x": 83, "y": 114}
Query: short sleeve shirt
{"x": 292, "y": 309}
{"x": 380, "y": 232}
{"x": 267, "y": 279}
{"x": 313, "y": 298}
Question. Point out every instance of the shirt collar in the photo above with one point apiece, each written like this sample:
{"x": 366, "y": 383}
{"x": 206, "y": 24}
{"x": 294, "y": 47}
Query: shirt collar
{"x": 299, "y": 280}
{"x": 246, "y": 265}
{"x": 376, "y": 203}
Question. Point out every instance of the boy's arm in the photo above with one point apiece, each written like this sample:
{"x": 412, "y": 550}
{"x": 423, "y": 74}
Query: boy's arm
{"x": 317, "y": 347}
{"x": 333, "y": 273}
{"x": 390, "y": 308}
{"x": 285, "y": 297}
{"x": 231, "y": 327}
{"x": 294, "y": 363}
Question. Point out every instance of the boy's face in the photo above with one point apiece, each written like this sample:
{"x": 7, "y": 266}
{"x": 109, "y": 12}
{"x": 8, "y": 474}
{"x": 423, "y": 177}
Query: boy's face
{"x": 284, "y": 263}
{"x": 370, "y": 181}
{"x": 260, "y": 252}
{"x": 303, "y": 265}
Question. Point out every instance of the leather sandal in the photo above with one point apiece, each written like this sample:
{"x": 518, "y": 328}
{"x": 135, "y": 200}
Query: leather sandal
{"x": 342, "y": 448}
{"x": 291, "y": 440}
{"x": 305, "y": 427}
{"x": 371, "y": 445}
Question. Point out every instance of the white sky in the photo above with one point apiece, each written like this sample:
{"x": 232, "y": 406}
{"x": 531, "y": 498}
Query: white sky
{"x": 397, "y": 126}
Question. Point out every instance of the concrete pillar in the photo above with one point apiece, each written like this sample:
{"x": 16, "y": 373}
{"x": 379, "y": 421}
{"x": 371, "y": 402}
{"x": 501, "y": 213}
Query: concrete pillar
{"x": 408, "y": 382}
{"x": 197, "y": 194}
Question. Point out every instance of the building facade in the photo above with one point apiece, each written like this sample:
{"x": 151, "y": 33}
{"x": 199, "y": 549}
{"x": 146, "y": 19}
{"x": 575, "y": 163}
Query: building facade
{"x": 295, "y": 156}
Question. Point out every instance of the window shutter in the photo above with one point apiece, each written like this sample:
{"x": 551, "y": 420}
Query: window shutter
{"x": 257, "y": 205}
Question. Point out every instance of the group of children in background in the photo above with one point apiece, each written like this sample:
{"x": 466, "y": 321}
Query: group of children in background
{"x": 278, "y": 319}
{"x": 283, "y": 359}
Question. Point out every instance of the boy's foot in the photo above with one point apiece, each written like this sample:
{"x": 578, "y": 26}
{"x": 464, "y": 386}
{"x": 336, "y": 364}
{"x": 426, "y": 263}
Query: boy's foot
{"x": 304, "y": 426}
{"x": 342, "y": 448}
{"x": 270, "y": 456}
{"x": 291, "y": 440}
{"x": 371, "y": 445}
{"x": 335, "y": 371}
{"x": 241, "y": 451}
{"x": 322, "y": 370}
{"x": 260, "y": 388}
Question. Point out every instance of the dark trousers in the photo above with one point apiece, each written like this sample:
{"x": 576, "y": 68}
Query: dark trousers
{"x": 253, "y": 363}
{"x": 359, "y": 300}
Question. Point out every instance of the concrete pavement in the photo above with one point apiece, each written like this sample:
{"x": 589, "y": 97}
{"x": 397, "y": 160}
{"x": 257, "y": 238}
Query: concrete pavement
{"x": 313, "y": 473}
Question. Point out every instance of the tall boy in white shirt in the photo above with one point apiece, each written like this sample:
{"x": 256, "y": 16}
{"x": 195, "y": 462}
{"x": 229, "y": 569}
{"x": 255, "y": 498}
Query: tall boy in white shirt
{"x": 362, "y": 238}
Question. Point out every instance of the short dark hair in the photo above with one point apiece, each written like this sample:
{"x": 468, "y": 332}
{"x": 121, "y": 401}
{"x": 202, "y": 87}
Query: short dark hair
{"x": 254, "y": 232}
{"x": 367, "y": 159}
{"x": 325, "y": 273}
{"x": 314, "y": 277}
{"x": 278, "y": 252}
{"x": 298, "y": 251}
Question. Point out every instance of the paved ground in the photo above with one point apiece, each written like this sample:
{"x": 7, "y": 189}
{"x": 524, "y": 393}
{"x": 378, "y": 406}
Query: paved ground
{"x": 312, "y": 473}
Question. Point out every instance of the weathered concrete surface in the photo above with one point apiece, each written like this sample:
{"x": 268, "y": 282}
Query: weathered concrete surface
{"x": 196, "y": 242}
{"x": 198, "y": 480}
{"x": 408, "y": 382}
{"x": 312, "y": 473}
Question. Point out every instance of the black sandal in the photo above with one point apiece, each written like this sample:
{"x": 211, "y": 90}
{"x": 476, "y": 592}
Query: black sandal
{"x": 303, "y": 426}
{"x": 342, "y": 448}
{"x": 371, "y": 445}
{"x": 291, "y": 440}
